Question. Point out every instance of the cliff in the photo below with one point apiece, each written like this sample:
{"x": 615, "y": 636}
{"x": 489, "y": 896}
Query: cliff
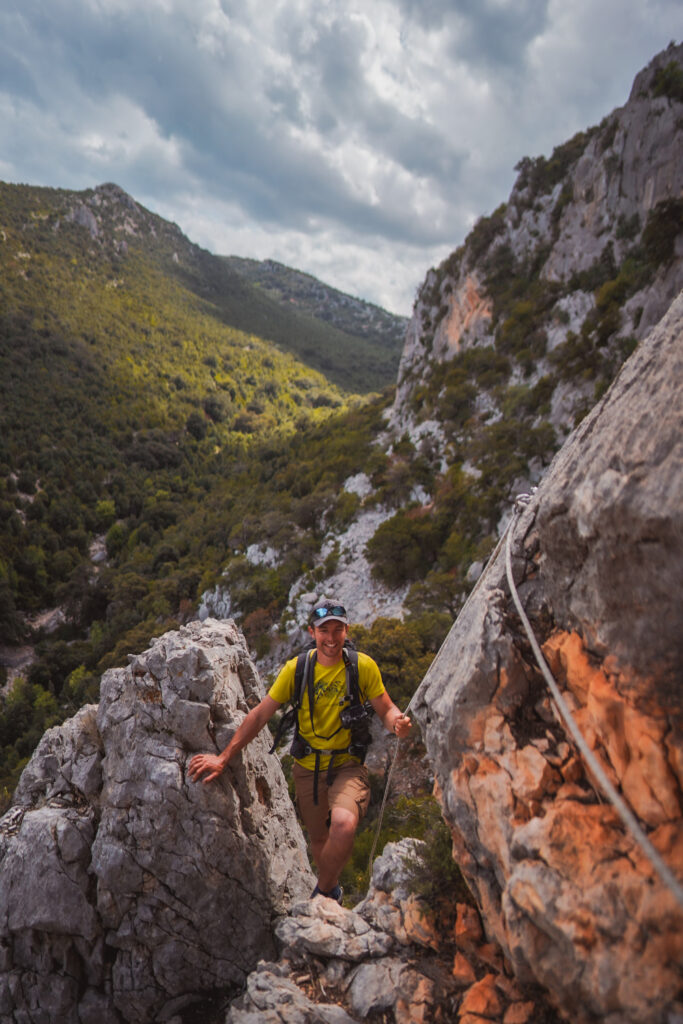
{"x": 586, "y": 248}
{"x": 563, "y": 887}
{"x": 127, "y": 891}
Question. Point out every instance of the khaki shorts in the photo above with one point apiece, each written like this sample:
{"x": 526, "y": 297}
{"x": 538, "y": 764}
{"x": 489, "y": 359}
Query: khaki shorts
{"x": 350, "y": 789}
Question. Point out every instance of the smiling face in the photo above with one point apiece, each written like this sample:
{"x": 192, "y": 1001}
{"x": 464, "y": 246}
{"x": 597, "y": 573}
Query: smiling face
{"x": 329, "y": 640}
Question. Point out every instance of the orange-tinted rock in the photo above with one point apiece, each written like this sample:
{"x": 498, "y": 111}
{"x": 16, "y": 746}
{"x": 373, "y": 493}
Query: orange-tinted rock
{"x": 648, "y": 782}
{"x": 491, "y": 792}
{"x": 628, "y": 741}
{"x": 490, "y": 954}
{"x": 467, "y": 925}
{"x": 419, "y": 927}
{"x": 509, "y": 988}
{"x": 463, "y": 971}
{"x": 533, "y": 776}
{"x": 419, "y": 1008}
{"x": 519, "y": 1013}
{"x": 482, "y": 998}
{"x": 467, "y": 305}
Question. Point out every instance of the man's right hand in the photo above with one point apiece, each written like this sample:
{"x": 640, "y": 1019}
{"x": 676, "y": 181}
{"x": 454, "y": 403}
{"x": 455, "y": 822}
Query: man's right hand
{"x": 211, "y": 765}
{"x": 201, "y": 764}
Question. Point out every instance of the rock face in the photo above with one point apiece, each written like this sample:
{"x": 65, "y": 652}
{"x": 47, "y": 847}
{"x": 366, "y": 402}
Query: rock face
{"x": 587, "y": 207}
{"x": 598, "y": 560}
{"x": 126, "y": 890}
{"x": 340, "y": 967}
{"x": 387, "y": 959}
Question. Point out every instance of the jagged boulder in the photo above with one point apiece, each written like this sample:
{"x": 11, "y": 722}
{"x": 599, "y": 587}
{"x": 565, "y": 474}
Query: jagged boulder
{"x": 598, "y": 558}
{"x": 127, "y": 890}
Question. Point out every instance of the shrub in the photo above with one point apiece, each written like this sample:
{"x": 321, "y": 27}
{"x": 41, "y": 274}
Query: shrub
{"x": 403, "y": 651}
{"x": 26, "y": 482}
{"x": 457, "y": 404}
{"x": 196, "y": 426}
{"x": 483, "y": 233}
{"x": 664, "y": 224}
{"x": 628, "y": 227}
{"x": 403, "y": 548}
{"x": 668, "y": 81}
{"x": 540, "y": 175}
{"x": 434, "y": 875}
{"x": 214, "y": 409}
{"x": 105, "y": 513}
{"x": 245, "y": 422}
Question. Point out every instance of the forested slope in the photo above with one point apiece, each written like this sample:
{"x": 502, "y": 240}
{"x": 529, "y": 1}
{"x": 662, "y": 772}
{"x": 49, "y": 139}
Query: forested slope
{"x": 142, "y": 438}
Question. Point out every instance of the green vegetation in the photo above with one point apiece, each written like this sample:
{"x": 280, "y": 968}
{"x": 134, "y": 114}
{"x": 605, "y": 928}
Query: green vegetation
{"x": 133, "y": 416}
{"x": 539, "y": 175}
{"x": 404, "y": 649}
{"x": 664, "y": 224}
{"x": 668, "y": 81}
{"x": 433, "y": 875}
{"x": 309, "y": 296}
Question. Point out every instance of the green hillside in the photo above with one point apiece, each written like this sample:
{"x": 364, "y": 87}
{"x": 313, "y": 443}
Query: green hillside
{"x": 105, "y": 224}
{"x": 307, "y": 295}
{"x": 136, "y": 422}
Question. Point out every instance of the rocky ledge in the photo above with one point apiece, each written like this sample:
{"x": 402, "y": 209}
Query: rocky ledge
{"x": 597, "y": 556}
{"x": 385, "y": 961}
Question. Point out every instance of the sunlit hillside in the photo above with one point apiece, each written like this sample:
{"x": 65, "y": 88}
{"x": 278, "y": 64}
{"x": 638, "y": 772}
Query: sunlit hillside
{"x": 142, "y": 439}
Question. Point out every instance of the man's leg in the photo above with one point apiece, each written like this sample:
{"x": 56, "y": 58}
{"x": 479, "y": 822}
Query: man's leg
{"x": 332, "y": 839}
{"x": 348, "y": 797}
{"x": 332, "y": 855}
{"x": 314, "y": 817}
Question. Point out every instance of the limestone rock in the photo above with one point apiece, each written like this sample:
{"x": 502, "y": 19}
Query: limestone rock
{"x": 630, "y": 163}
{"x": 340, "y": 965}
{"x": 272, "y": 997}
{"x": 562, "y": 887}
{"x": 127, "y": 890}
{"x": 323, "y": 928}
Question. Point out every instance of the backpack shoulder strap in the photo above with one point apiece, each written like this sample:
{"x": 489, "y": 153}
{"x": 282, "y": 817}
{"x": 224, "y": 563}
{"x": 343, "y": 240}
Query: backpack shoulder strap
{"x": 352, "y": 677}
{"x": 303, "y": 680}
{"x": 299, "y": 672}
{"x": 291, "y": 716}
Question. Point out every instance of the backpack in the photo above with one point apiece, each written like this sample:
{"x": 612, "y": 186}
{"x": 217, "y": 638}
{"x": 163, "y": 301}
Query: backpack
{"x": 354, "y": 717}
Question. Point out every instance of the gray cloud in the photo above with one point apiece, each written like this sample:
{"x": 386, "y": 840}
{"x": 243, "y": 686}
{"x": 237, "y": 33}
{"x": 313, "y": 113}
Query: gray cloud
{"x": 484, "y": 33}
{"x": 360, "y": 141}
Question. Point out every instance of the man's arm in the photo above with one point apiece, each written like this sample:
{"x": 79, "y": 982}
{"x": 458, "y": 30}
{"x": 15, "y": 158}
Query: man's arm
{"x": 393, "y": 720}
{"x": 251, "y": 726}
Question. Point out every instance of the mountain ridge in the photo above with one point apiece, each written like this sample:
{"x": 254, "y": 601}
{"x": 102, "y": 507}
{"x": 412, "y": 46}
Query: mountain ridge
{"x": 115, "y": 225}
{"x": 511, "y": 343}
{"x": 354, "y": 316}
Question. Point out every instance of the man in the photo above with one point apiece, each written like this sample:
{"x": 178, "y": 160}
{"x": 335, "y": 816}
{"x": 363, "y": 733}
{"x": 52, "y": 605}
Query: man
{"x": 331, "y": 800}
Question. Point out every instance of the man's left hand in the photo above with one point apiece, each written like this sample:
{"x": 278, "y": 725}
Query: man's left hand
{"x": 402, "y": 726}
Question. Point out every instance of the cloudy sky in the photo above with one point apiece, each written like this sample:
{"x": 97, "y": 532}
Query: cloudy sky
{"x": 355, "y": 139}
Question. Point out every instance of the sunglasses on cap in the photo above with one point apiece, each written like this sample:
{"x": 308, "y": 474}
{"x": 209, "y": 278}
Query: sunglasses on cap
{"x": 335, "y": 610}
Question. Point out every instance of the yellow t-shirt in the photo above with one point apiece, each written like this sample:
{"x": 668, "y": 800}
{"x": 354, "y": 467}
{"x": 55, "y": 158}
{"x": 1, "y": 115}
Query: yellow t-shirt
{"x": 329, "y": 688}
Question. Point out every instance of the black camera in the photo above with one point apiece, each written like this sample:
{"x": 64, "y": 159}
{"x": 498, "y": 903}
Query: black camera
{"x": 353, "y": 715}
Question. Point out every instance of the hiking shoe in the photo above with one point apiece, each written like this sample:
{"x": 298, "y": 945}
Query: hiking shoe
{"x": 334, "y": 894}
